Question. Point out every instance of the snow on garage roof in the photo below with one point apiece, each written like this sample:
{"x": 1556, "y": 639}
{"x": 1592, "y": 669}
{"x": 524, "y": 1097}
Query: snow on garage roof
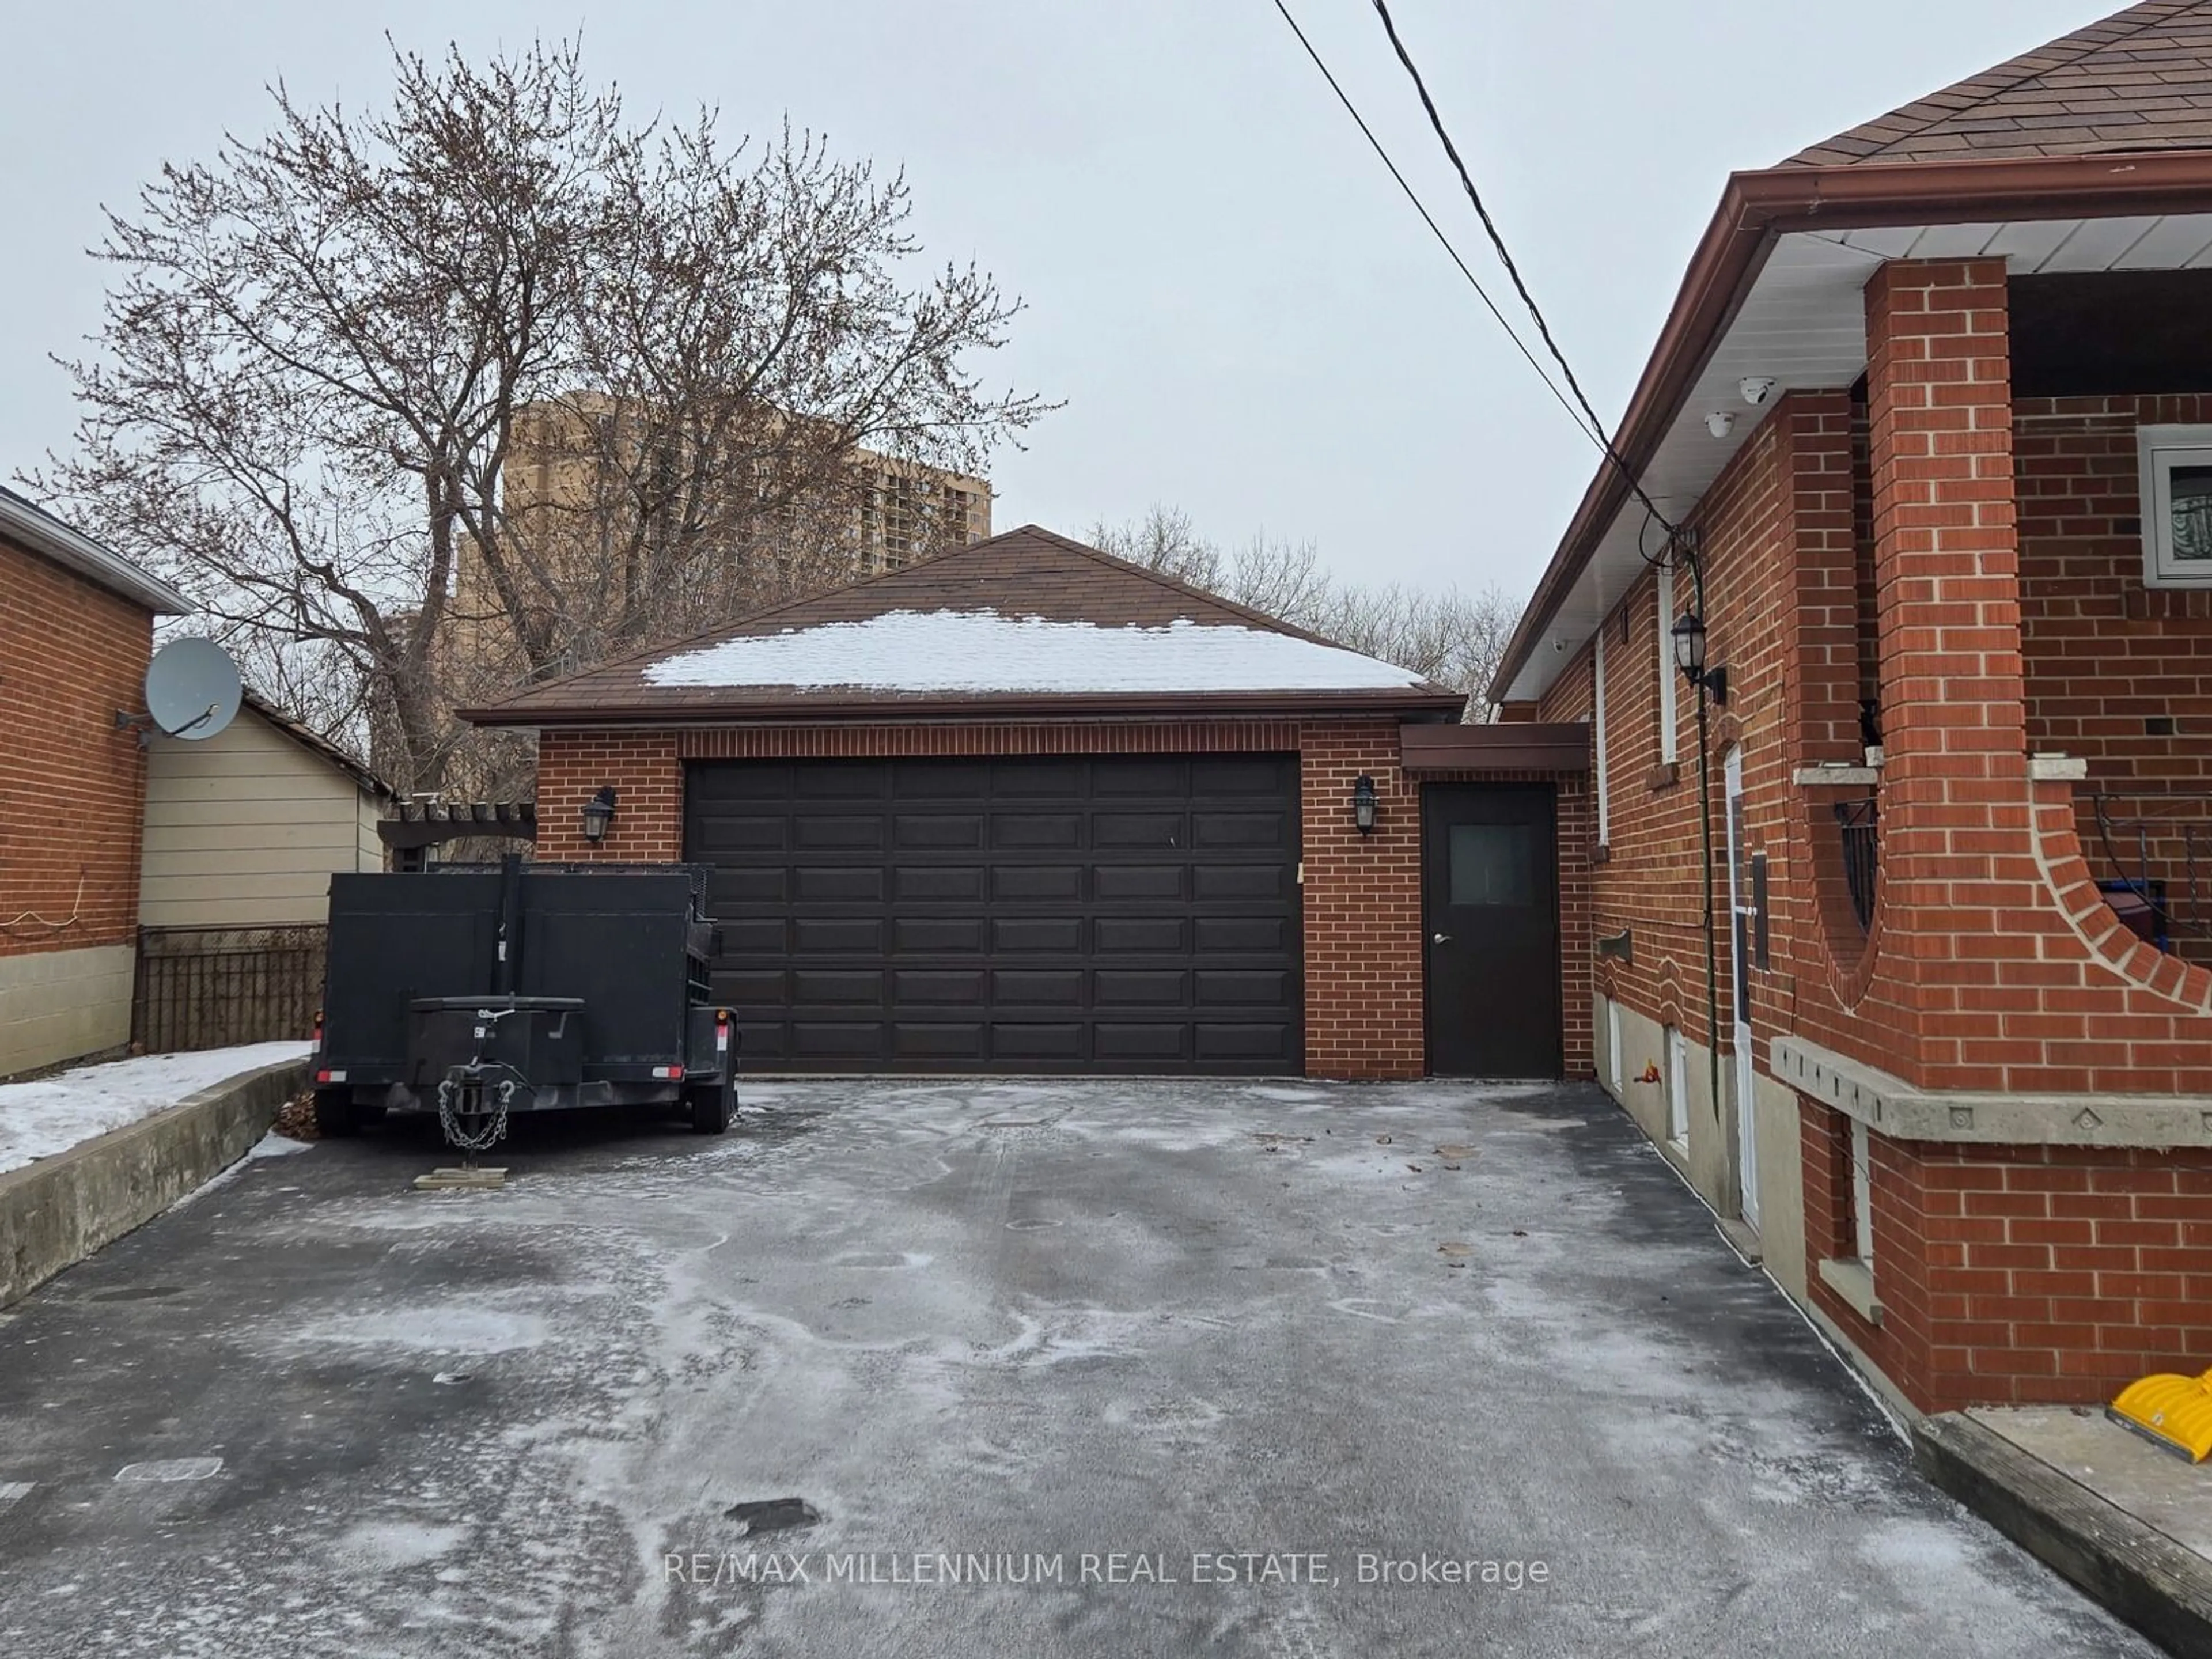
{"x": 1024, "y": 624}
{"x": 980, "y": 651}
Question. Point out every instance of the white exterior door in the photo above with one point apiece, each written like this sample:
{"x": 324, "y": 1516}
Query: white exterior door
{"x": 1740, "y": 927}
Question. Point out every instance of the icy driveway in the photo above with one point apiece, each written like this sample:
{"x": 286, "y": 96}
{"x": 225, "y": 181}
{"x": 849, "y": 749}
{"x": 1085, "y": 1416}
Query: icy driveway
{"x": 1023, "y": 1325}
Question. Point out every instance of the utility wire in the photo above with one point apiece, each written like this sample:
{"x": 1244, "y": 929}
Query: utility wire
{"x": 1595, "y": 434}
{"x": 1498, "y": 243}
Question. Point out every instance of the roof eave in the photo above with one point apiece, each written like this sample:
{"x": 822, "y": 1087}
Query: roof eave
{"x": 1152, "y": 706}
{"x": 30, "y": 526}
{"x": 1758, "y": 207}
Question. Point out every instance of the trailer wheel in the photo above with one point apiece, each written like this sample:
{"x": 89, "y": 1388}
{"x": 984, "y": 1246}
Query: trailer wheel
{"x": 710, "y": 1110}
{"x": 334, "y": 1114}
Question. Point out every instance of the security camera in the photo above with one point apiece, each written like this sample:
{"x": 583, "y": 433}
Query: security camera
{"x": 1756, "y": 388}
{"x": 1720, "y": 423}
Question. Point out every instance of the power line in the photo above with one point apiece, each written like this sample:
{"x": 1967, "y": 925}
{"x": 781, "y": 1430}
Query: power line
{"x": 1594, "y": 433}
{"x": 1498, "y": 243}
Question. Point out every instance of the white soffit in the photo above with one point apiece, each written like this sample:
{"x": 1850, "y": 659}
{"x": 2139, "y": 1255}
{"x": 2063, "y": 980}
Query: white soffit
{"x": 1803, "y": 324}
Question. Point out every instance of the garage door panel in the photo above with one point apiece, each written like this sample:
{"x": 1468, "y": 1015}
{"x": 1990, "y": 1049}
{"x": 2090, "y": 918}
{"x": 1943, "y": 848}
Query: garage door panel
{"x": 959, "y": 987}
{"x": 1166, "y": 779}
{"x": 1053, "y": 830}
{"x": 1145, "y": 935}
{"x": 936, "y": 1039}
{"x": 939, "y": 884}
{"x": 1160, "y": 986}
{"x": 1136, "y": 914}
{"x": 932, "y": 830}
{"x": 1149, "y": 1044}
{"x": 834, "y": 883}
{"x": 1060, "y": 935}
{"x": 1217, "y": 883}
{"x": 1114, "y": 831}
{"x": 837, "y": 935}
{"x": 937, "y": 935}
{"x": 1050, "y": 883}
{"x": 1037, "y": 988}
{"x": 846, "y": 1040}
{"x": 1246, "y": 987}
{"x": 813, "y": 987}
{"x": 1228, "y": 935}
{"x": 841, "y": 832}
{"x": 1019, "y": 780}
{"x": 1223, "y": 1044}
{"x": 1133, "y": 883}
{"x": 940, "y": 779}
{"x": 1017, "y": 1041}
{"x": 856, "y": 779}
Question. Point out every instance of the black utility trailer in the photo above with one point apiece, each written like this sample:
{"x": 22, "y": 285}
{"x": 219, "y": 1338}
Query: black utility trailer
{"x": 476, "y": 991}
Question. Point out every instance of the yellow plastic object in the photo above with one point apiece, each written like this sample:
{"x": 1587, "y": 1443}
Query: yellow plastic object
{"x": 2173, "y": 1412}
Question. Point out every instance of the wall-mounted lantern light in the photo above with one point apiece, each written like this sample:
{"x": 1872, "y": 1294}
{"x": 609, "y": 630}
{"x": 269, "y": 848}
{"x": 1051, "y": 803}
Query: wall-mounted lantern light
{"x": 1362, "y": 803}
{"x": 598, "y": 813}
{"x": 1690, "y": 657}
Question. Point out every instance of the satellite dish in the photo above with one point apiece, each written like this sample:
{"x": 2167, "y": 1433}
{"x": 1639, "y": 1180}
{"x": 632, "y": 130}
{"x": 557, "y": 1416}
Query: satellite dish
{"x": 193, "y": 688}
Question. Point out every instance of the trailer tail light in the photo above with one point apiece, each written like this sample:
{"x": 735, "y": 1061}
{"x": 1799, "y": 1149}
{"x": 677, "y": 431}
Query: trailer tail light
{"x": 669, "y": 1074}
{"x": 326, "y": 1075}
{"x": 721, "y": 1030}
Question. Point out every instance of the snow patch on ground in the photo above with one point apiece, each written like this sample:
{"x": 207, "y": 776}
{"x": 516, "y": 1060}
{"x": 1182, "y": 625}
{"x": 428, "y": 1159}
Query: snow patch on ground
{"x": 390, "y": 1545}
{"x": 453, "y": 1328}
{"x": 979, "y": 651}
{"x": 51, "y": 1115}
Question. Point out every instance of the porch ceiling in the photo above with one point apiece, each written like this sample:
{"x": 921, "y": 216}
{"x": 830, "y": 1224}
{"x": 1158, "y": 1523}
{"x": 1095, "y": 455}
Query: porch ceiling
{"x": 1802, "y": 323}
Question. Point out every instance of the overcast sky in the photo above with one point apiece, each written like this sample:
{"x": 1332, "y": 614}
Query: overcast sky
{"x": 1242, "y": 315}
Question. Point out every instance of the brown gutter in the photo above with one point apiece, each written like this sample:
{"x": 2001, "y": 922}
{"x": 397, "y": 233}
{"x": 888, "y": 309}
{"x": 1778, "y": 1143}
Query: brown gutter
{"x": 892, "y": 710}
{"x": 1758, "y": 208}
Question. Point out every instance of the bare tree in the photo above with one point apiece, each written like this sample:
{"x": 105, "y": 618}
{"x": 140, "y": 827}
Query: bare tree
{"x": 1453, "y": 638}
{"x": 328, "y": 351}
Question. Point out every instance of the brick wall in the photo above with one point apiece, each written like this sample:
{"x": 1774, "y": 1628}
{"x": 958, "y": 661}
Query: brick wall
{"x": 72, "y": 787}
{"x": 2020, "y": 1275}
{"x": 1366, "y": 1017}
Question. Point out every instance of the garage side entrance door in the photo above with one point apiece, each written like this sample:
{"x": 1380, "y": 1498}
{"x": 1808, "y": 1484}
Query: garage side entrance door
{"x": 1490, "y": 899}
{"x": 1106, "y": 914}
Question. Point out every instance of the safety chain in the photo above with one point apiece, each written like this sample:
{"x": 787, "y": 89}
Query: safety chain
{"x": 449, "y": 1120}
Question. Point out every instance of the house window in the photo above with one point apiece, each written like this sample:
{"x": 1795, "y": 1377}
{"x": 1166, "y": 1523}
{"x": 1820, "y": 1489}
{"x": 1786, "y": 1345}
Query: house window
{"x": 1862, "y": 1196}
{"x": 2176, "y": 465}
{"x": 1597, "y": 718}
{"x": 1678, "y": 1090}
{"x": 1613, "y": 1051}
{"x": 1668, "y": 751}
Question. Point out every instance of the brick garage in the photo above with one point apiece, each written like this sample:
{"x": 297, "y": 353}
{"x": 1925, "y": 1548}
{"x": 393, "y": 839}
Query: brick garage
{"x": 1361, "y": 1002}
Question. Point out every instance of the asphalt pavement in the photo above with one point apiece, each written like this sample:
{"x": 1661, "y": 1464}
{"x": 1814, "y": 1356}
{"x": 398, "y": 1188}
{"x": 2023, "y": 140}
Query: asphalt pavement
{"x": 976, "y": 1369}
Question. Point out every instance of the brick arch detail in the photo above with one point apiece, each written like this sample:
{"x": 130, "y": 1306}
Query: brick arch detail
{"x": 2110, "y": 945}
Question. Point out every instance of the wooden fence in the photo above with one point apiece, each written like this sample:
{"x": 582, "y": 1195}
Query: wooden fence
{"x": 213, "y": 988}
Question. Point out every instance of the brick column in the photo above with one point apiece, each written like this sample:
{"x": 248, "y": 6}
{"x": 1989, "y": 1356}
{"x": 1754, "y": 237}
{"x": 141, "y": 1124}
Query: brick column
{"x": 1823, "y": 646}
{"x": 1946, "y": 567}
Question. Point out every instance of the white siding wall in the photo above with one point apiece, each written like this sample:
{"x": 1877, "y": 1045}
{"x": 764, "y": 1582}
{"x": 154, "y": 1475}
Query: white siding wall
{"x": 245, "y": 828}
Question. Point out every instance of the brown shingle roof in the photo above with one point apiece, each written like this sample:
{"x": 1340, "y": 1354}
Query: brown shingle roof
{"x": 1028, "y": 572}
{"x": 2140, "y": 79}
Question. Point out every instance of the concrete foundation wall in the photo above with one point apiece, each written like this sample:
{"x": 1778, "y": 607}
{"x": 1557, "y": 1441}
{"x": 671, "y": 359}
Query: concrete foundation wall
{"x": 56, "y": 1005}
{"x": 55, "y": 1212}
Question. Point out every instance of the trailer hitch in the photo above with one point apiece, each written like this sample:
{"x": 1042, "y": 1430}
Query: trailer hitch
{"x": 472, "y": 1105}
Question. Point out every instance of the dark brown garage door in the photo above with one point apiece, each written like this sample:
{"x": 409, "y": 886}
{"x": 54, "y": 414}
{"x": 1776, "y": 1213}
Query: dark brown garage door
{"x": 1111, "y": 914}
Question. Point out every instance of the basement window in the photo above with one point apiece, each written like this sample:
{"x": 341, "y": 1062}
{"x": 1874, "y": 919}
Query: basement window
{"x": 2176, "y": 471}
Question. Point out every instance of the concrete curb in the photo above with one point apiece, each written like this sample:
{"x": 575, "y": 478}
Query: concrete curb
{"x": 2138, "y": 1573}
{"x": 58, "y": 1211}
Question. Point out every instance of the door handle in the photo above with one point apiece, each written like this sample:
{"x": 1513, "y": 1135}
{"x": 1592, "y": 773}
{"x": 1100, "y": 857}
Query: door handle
{"x": 1441, "y": 939}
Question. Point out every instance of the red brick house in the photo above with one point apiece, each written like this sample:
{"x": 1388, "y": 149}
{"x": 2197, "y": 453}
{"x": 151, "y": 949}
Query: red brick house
{"x": 77, "y": 631}
{"x": 1933, "y": 417}
{"x": 1024, "y": 807}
